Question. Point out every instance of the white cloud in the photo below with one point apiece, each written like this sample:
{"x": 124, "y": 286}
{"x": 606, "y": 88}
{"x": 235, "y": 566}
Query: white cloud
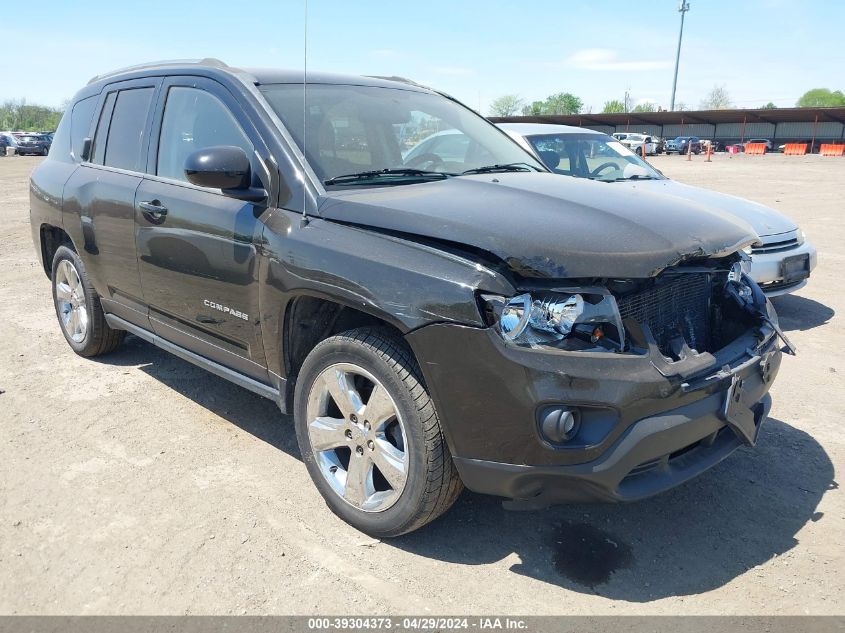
{"x": 608, "y": 59}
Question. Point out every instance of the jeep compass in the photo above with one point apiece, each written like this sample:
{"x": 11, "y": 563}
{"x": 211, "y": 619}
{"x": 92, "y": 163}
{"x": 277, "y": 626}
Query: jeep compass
{"x": 432, "y": 319}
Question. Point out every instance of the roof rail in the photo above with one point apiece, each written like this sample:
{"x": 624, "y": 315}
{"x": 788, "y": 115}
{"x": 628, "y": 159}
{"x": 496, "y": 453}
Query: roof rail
{"x": 206, "y": 61}
{"x": 401, "y": 80}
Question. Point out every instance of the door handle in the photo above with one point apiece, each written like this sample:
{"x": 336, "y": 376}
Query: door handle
{"x": 153, "y": 210}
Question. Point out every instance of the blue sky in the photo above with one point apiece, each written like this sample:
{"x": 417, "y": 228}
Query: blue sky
{"x": 761, "y": 50}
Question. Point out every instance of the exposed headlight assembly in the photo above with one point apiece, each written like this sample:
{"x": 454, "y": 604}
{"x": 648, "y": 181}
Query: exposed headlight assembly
{"x": 590, "y": 318}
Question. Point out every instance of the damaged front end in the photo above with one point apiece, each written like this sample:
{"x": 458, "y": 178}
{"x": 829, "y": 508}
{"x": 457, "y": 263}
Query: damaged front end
{"x": 686, "y": 313}
{"x": 612, "y": 388}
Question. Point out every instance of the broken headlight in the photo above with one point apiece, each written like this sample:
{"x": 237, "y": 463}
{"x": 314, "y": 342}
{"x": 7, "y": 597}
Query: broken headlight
{"x": 582, "y": 320}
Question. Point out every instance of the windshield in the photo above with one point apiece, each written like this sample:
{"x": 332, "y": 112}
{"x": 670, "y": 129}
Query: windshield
{"x": 593, "y": 156}
{"x": 357, "y": 129}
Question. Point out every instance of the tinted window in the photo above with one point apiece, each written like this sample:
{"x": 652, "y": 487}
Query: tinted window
{"x": 60, "y": 148}
{"x": 103, "y": 130}
{"x": 194, "y": 119}
{"x": 80, "y": 124}
{"x": 126, "y": 131}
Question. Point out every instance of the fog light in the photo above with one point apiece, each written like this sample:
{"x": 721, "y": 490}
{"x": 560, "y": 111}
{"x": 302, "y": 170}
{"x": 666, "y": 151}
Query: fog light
{"x": 559, "y": 424}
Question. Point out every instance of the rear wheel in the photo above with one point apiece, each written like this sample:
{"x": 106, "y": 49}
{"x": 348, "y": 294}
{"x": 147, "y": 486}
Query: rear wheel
{"x": 370, "y": 436}
{"x": 78, "y": 307}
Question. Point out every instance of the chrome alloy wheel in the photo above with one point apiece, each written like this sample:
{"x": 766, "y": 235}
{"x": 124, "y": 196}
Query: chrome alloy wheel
{"x": 70, "y": 298}
{"x": 357, "y": 437}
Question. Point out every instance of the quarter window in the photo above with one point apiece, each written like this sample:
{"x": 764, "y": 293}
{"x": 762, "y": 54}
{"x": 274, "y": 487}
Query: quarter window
{"x": 80, "y": 123}
{"x": 194, "y": 119}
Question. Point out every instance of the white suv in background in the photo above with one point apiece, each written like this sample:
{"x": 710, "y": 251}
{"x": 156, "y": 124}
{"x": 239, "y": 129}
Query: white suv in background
{"x": 635, "y": 142}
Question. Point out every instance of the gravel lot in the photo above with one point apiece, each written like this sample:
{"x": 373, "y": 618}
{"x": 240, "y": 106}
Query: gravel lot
{"x": 138, "y": 483}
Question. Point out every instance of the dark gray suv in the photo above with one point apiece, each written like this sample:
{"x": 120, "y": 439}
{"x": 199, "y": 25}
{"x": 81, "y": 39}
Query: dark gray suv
{"x": 434, "y": 313}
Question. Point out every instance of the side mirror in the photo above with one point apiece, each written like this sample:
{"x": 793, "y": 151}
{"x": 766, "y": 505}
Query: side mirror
{"x": 224, "y": 167}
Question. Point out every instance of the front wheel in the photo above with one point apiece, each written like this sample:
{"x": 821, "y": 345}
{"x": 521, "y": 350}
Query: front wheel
{"x": 370, "y": 436}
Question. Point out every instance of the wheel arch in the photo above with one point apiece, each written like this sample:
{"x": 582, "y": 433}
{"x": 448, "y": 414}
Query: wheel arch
{"x": 50, "y": 238}
{"x": 309, "y": 319}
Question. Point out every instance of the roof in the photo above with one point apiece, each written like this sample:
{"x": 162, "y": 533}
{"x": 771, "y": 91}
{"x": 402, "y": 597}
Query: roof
{"x": 530, "y": 129}
{"x": 712, "y": 117}
{"x": 253, "y": 75}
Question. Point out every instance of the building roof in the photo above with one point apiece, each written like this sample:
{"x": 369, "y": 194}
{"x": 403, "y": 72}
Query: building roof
{"x": 530, "y": 129}
{"x": 712, "y": 117}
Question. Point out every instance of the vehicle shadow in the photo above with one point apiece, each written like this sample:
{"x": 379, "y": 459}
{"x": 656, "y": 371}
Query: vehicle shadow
{"x": 800, "y": 313}
{"x": 698, "y": 537}
{"x": 254, "y": 414}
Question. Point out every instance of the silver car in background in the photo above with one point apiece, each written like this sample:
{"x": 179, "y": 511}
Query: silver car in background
{"x": 781, "y": 260}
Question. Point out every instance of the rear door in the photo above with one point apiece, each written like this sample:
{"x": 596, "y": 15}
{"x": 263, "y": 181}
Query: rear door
{"x": 102, "y": 192}
{"x": 197, "y": 248}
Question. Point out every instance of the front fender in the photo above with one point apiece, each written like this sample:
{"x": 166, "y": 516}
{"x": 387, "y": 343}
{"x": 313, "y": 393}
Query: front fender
{"x": 403, "y": 283}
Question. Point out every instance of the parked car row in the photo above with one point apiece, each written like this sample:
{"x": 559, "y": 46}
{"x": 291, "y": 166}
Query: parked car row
{"x": 680, "y": 144}
{"x": 26, "y": 143}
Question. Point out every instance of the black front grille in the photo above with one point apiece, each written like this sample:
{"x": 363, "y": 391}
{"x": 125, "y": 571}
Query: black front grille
{"x": 677, "y": 304}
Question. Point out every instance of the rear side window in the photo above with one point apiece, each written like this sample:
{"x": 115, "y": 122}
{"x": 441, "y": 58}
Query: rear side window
{"x": 126, "y": 130}
{"x": 80, "y": 124}
{"x": 60, "y": 148}
{"x": 194, "y": 119}
{"x": 103, "y": 129}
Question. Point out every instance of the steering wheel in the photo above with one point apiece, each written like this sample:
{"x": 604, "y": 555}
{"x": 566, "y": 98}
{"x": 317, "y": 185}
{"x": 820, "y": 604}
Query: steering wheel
{"x": 602, "y": 167}
{"x": 427, "y": 157}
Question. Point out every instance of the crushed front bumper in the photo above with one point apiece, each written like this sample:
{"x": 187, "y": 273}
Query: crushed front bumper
{"x": 646, "y": 426}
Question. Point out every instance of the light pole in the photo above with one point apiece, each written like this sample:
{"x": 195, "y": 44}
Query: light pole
{"x": 683, "y": 7}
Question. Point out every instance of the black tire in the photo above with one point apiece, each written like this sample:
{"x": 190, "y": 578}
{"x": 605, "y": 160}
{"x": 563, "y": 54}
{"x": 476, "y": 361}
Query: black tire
{"x": 432, "y": 484}
{"x": 98, "y": 337}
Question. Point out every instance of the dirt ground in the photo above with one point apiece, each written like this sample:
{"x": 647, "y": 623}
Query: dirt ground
{"x": 139, "y": 484}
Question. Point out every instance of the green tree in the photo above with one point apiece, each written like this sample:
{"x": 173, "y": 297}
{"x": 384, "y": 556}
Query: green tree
{"x": 20, "y": 115}
{"x": 506, "y": 105}
{"x": 534, "y": 109}
{"x": 614, "y": 106}
{"x": 821, "y": 98}
{"x": 717, "y": 99}
{"x": 769, "y": 106}
{"x": 562, "y": 103}
{"x": 645, "y": 107}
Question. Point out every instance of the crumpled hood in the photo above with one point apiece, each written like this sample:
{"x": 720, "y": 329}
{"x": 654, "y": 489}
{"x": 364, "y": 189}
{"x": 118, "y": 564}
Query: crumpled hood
{"x": 545, "y": 225}
{"x": 764, "y": 220}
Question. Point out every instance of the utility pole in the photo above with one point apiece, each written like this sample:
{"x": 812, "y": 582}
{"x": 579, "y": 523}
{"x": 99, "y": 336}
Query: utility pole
{"x": 683, "y": 7}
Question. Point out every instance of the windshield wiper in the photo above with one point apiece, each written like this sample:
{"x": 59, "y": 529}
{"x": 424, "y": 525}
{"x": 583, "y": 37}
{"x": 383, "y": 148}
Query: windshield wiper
{"x": 634, "y": 177}
{"x": 506, "y": 167}
{"x": 379, "y": 173}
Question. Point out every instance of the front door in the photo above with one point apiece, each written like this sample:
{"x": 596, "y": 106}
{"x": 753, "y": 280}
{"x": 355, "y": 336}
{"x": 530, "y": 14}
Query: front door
{"x": 196, "y": 247}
